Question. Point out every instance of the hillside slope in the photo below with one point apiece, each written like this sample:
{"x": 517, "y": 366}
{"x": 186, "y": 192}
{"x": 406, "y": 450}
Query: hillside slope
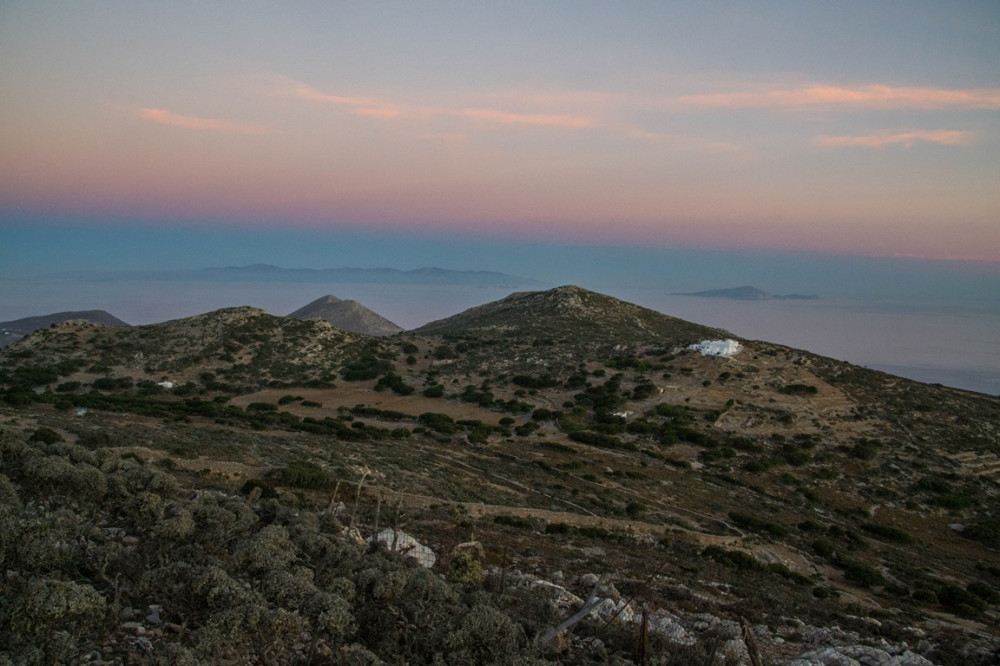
{"x": 545, "y": 448}
{"x": 569, "y": 313}
{"x": 244, "y": 346}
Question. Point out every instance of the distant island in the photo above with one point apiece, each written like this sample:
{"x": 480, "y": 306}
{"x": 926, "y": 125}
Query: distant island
{"x": 747, "y": 293}
{"x": 270, "y": 273}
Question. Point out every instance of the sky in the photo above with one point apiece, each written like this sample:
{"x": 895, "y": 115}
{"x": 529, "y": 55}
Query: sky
{"x": 156, "y": 133}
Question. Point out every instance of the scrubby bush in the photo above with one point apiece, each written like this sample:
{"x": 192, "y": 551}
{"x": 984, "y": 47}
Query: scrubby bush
{"x": 535, "y": 381}
{"x": 302, "y": 474}
{"x": 600, "y": 440}
{"x": 751, "y": 522}
{"x": 45, "y": 436}
{"x": 859, "y": 572}
{"x": 986, "y": 531}
{"x": 54, "y": 619}
{"x": 798, "y": 389}
{"x": 435, "y": 391}
{"x": 512, "y": 521}
{"x": 865, "y": 449}
{"x": 439, "y": 422}
{"x": 888, "y": 532}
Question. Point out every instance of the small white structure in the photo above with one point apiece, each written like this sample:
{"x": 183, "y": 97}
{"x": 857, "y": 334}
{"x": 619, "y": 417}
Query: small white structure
{"x": 166, "y": 385}
{"x": 725, "y": 348}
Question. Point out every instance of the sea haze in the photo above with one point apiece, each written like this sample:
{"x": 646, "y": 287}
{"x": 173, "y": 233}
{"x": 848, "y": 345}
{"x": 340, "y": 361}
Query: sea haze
{"x": 930, "y": 322}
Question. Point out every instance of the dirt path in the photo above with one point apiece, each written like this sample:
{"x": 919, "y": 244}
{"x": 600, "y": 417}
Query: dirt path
{"x": 482, "y": 510}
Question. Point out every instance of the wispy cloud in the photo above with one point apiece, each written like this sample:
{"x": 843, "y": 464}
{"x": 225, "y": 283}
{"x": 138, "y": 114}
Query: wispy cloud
{"x": 679, "y": 141}
{"x": 570, "y": 110}
{"x": 908, "y": 139}
{"x": 387, "y": 110}
{"x": 164, "y": 117}
{"x": 868, "y": 96}
{"x": 538, "y": 119}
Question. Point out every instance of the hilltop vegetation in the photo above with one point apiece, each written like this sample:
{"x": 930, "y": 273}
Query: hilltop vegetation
{"x": 544, "y": 447}
{"x": 11, "y": 331}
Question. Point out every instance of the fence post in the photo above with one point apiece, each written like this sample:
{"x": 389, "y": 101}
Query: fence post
{"x": 503, "y": 570}
{"x": 378, "y": 511}
{"x": 643, "y": 638}
{"x": 357, "y": 496}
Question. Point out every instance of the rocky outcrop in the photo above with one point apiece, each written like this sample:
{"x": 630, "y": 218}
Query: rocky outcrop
{"x": 401, "y": 542}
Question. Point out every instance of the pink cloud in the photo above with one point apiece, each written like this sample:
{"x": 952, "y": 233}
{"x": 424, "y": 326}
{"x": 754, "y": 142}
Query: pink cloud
{"x": 444, "y": 137}
{"x": 164, "y": 117}
{"x": 557, "y": 110}
{"x": 870, "y": 96}
{"x": 507, "y": 118}
{"x": 908, "y": 139}
{"x": 382, "y": 113}
{"x": 384, "y": 110}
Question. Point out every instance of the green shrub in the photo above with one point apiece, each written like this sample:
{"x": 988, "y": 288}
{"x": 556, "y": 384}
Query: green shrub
{"x": 435, "y": 391}
{"x": 865, "y": 450}
{"x": 888, "y": 532}
{"x": 798, "y": 389}
{"x": 526, "y": 429}
{"x": 267, "y": 490}
{"x": 734, "y": 559}
{"x": 58, "y": 616}
{"x": 858, "y": 572}
{"x": 960, "y": 601}
{"x": 823, "y": 547}
{"x": 45, "y": 436}
{"x": 751, "y": 522}
{"x": 984, "y": 591}
{"x": 600, "y": 440}
{"x": 444, "y": 352}
{"x": 302, "y": 474}
{"x": 512, "y": 521}
{"x": 986, "y": 531}
{"x": 441, "y": 423}
{"x": 634, "y": 509}
{"x": 535, "y": 382}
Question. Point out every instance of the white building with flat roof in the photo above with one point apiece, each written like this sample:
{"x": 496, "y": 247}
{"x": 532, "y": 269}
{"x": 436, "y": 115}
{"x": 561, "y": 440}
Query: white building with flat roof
{"x": 726, "y": 348}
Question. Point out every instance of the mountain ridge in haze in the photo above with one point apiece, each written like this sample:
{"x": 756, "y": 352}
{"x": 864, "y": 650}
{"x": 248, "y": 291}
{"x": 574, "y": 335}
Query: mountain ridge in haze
{"x": 348, "y": 275}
